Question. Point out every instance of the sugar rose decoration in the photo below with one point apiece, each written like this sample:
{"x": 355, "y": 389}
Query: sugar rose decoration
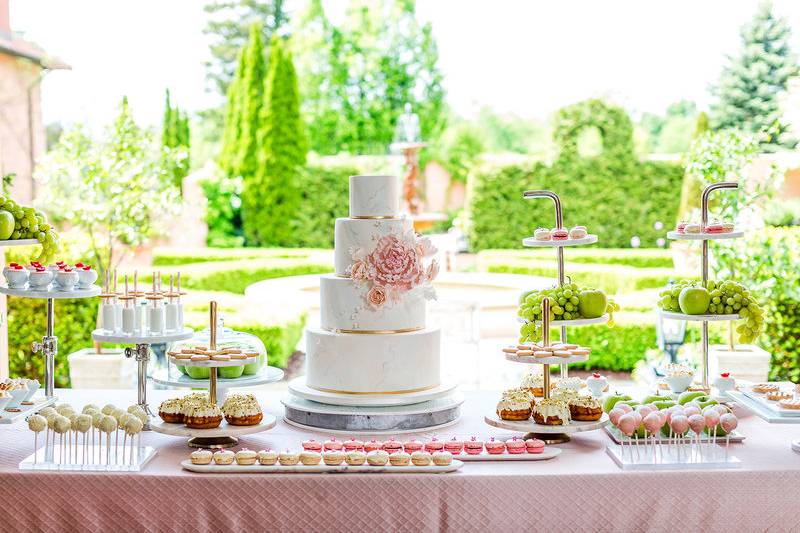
{"x": 395, "y": 266}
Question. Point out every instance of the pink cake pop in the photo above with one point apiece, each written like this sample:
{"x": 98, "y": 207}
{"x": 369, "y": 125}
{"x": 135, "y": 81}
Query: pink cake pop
{"x": 679, "y": 424}
{"x": 690, "y": 410}
{"x": 697, "y": 423}
{"x": 625, "y": 407}
{"x": 637, "y": 416}
{"x": 721, "y": 409}
{"x": 729, "y": 422}
{"x": 712, "y": 418}
{"x": 627, "y": 424}
{"x": 652, "y": 422}
{"x": 644, "y": 410}
{"x": 614, "y": 415}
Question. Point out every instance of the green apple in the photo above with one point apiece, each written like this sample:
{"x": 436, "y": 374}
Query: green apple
{"x": 612, "y": 400}
{"x": 688, "y": 396}
{"x": 705, "y": 401}
{"x": 230, "y": 372}
{"x": 253, "y": 368}
{"x": 694, "y": 300}
{"x": 664, "y": 404}
{"x": 6, "y": 225}
{"x": 592, "y": 303}
{"x": 198, "y": 372}
{"x": 631, "y": 403}
{"x": 181, "y": 368}
{"x": 654, "y": 398}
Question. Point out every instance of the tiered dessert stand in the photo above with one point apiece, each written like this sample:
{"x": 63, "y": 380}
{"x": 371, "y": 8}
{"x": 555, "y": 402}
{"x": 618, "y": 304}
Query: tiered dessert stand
{"x": 559, "y": 246}
{"x": 705, "y": 237}
{"x": 549, "y": 434}
{"x": 225, "y": 435}
{"x": 48, "y": 348}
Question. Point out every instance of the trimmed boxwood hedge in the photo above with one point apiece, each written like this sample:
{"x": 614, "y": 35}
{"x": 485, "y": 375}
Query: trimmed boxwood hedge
{"x": 614, "y": 194}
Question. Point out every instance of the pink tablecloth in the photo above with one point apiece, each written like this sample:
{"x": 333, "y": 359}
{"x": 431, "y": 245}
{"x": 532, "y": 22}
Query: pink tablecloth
{"x": 582, "y": 489}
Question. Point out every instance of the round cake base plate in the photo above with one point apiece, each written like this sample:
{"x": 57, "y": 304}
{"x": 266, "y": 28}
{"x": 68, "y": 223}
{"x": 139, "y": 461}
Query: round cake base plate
{"x": 796, "y": 445}
{"x": 299, "y": 388}
{"x": 373, "y": 420}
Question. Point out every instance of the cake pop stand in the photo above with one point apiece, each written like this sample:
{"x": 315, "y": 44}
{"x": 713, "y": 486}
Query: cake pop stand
{"x": 141, "y": 352}
{"x": 705, "y": 238}
{"x": 49, "y": 345}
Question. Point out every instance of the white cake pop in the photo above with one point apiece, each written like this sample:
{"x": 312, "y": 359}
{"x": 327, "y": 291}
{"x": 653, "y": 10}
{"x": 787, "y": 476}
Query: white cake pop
{"x": 37, "y": 423}
{"x": 83, "y": 423}
{"x": 133, "y": 426}
{"x": 108, "y": 408}
{"x": 89, "y": 407}
{"x": 65, "y": 409}
{"x": 61, "y": 424}
{"x": 139, "y": 413}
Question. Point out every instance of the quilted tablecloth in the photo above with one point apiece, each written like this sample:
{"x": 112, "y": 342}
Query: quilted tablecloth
{"x": 581, "y": 490}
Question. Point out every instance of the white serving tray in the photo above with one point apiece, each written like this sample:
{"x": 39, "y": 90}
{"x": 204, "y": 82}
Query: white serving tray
{"x": 697, "y": 318}
{"x": 39, "y": 403}
{"x": 674, "y": 235}
{"x": 50, "y": 293}
{"x": 713, "y": 458}
{"x": 19, "y": 242}
{"x": 760, "y": 410}
{"x": 119, "y": 337}
{"x": 615, "y": 435}
{"x": 548, "y": 453}
{"x": 576, "y": 322}
{"x": 774, "y": 407}
{"x": 529, "y": 426}
{"x": 224, "y": 429}
{"x": 555, "y": 360}
{"x": 319, "y": 469}
{"x": 533, "y": 243}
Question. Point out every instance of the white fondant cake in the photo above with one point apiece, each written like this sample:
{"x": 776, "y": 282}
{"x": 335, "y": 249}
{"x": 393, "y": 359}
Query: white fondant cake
{"x": 374, "y": 196}
{"x": 351, "y": 234}
{"x": 372, "y": 364}
{"x": 343, "y": 306}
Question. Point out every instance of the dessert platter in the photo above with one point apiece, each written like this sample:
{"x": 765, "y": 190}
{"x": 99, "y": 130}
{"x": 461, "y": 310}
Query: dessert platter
{"x": 142, "y": 319}
{"x": 775, "y": 402}
{"x": 705, "y": 231}
{"x": 544, "y": 237}
{"x": 373, "y": 348}
{"x": 199, "y": 415}
{"x": 18, "y": 399}
{"x": 75, "y": 441}
{"x": 52, "y": 282}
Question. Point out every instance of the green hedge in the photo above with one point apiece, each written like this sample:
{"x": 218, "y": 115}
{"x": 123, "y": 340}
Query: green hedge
{"x": 613, "y": 194}
{"x": 325, "y": 197}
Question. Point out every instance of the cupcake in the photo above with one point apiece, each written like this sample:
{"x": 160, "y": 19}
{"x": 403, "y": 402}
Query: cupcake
{"x": 392, "y": 446}
{"x": 515, "y": 446}
{"x": 551, "y": 412}
{"x": 377, "y": 458}
{"x": 434, "y": 445}
{"x": 473, "y": 446}
{"x": 312, "y": 445}
{"x": 442, "y": 458}
{"x": 515, "y": 405}
{"x": 534, "y": 446}
{"x": 353, "y": 444}
{"x": 224, "y": 457}
{"x": 268, "y": 457}
{"x": 246, "y": 457}
{"x": 400, "y": 458}
{"x": 310, "y": 458}
{"x": 413, "y": 446}
{"x": 421, "y": 458}
{"x": 201, "y": 457}
{"x": 203, "y": 416}
{"x": 333, "y": 457}
{"x": 171, "y": 411}
{"x": 242, "y": 410}
{"x": 454, "y": 446}
{"x": 356, "y": 458}
{"x": 495, "y": 447}
{"x": 288, "y": 458}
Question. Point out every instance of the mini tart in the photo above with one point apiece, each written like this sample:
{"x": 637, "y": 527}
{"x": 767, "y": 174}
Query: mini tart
{"x": 763, "y": 388}
{"x": 333, "y": 457}
{"x": 377, "y": 458}
{"x": 246, "y": 457}
{"x": 242, "y": 410}
{"x": 400, "y": 459}
{"x": 779, "y": 395}
{"x": 224, "y": 457}
{"x": 789, "y": 404}
{"x": 442, "y": 458}
{"x": 585, "y": 409}
{"x": 201, "y": 457}
{"x": 551, "y": 412}
{"x": 203, "y": 416}
{"x": 356, "y": 458}
{"x": 288, "y": 458}
{"x": 309, "y": 458}
{"x": 268, "y": 457}
{"x": 421, "y": 458}
{"x": 171, "y": 411}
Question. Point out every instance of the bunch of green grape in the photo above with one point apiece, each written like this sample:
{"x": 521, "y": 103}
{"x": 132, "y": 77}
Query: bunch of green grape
{"x": 32, "y": 224}
{"x": 729, "y": 297}
{"x": 668, "y": 297}
{"x": 564, "y": 305}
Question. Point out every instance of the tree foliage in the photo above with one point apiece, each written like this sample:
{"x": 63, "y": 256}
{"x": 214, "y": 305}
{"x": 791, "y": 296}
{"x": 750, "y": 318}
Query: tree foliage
{"x": 175, "y": 140}
{"x": 749, "y": 87}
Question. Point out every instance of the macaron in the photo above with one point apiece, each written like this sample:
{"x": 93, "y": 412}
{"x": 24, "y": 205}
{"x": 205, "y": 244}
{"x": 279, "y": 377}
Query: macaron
{"x": 534, "y": 445}
{"x": 356, "y": 458}
{"x": 377, "y": 458}
{"x": 288, "y": 458}
{"x": 268, "y": 457}
{"x": 578, "y": 232}
{"x": 542, "y": 234}
{"x": 693, "y": 228}
{"x": 434, "y": 445}
{"x": 333, "y": 457}
{"x": 681, "y": 227}
{"x": 560, "y": 234}
{"x": 421, "y": 458}
{"x": 515, "y": 446}
{"x": 495, "y": 447}
{"x": 310, "y": 458}
{"x": 442, "y": 458}
{"x": 400, "y": 458}
{"x": 201, "y": 457}
{"x": 454, "y": 446}
{"x": 312, "y": 445}
{"x": 473, "y": 446}
{"x": 246, "y": 457}
{"x": 413, "y": 446}
{"x": 392, "y": 446}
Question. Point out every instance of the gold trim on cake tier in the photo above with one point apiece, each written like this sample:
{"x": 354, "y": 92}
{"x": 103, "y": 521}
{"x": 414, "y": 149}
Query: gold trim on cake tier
{"x": 374, "y": 331}
{"x": 374, "y": 217}
{"x": 381, "y": 393}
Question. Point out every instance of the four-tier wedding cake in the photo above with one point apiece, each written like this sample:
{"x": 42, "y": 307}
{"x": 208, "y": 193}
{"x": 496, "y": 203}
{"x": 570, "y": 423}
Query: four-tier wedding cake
{"x": 372, "y": 338}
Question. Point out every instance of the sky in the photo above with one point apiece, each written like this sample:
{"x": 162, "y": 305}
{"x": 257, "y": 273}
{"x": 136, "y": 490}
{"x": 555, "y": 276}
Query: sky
{"x": 527, "y": 58}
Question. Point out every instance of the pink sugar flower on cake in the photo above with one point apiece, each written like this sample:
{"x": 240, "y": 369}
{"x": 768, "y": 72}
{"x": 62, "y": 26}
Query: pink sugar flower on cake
{"x": 425, "y": 247}
{"x": 377, "y": 296}
{"x": 433, "y": 270}
{"x": 396, "y": 264}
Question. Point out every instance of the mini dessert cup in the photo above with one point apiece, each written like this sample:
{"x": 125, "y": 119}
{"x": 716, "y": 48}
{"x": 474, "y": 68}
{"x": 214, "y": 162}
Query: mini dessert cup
{"x": 33, "y": 386}
{"x": 86, "y": 276}
{"x": 40, "y": 279}
{"x": 680, "y": 383}
{"x": 17, "y": 396}
{"x": 597, "y": 384}
{"x": 16, "y": 276}
{"x": 66, "y": 279}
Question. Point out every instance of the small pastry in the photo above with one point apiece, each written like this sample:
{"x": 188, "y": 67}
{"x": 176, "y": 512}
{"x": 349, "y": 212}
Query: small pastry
{"x": 714, "y": 227}
{"x": 246, "y": 457}
{"x": 577, "y": 232}
{"x": 515, "y": 405}
{"x": 377, "y": 458}
{"x": 515, "y": 446}
{"x": 775, "y": 396}
{"x": 224, "y": 457}
{"x": 356, "y": 458}
{"x": 534, "y": 446}
{"x": 171, "y": 411}
{"x": 560, "y": 234}
{"x": 202, "y": 416}
{"x": 681, "y": 227}
{"x": 312, "y": 445}
{"x": 268, "y": 457}
{"x": 442, "y": 458}
{"x": 542, "y": 234}
{"x": 288, "y": 458}
{"x": 201, "y": 457}
{"x": 434, "y": 445}
{"x": 399, "y": 459}
{"x": 310, "y": 458}
{"x": 510, "y": 349}
{"x": 242, "y": 410}
{"x": 333, "y": 457}
{"x": 725, "y": 382}
{"x": 200, "y": 357}
{"x": 392, "y": 446}
{"x": 495, "y": 447}
{"x": 473, "y": 446}
{"x": 789, "y": 404}
{"x": 585, "y": 409}
{"x": 221, "y": 357}
{"x": 692, "y": 228}
{"x": 353, "y": 444}
{"x": 413, "y": 446}
{"x": 373, "y": 445}
{"x": 727, "y": 227}
{"x": 454, "y": 446}
{"x": 760, "y": 388}
{"x": 421, "y": 458}
{"x": 551, "y": 412}
{"x": 332, "y": 444}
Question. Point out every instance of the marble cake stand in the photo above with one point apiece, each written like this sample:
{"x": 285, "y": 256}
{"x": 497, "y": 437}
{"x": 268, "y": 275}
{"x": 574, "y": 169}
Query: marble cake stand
{"x": 373, "y": 420}
{"x": 299, "y": 388}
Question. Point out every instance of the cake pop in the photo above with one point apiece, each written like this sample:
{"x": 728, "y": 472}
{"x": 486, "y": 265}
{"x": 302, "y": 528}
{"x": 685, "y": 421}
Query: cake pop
{"x": 37, "y": 424}
{"x": 644, "y": 410}
{"x": 615, "y": 414}
{"x": 97, "y": 418}
{"x": 690, "y": 410}
{"x": 625, "y": 407}
{"x": 729, "y": 422}
{"x": 65, "y": 409}
{"x": 108, "y": 424}
{"x": 627, "y": 425}
{"x": 108, "y": 409}
{"x": 89, "y": 407}
{"x": 132, "y": 428}
{"x": 61, "y": 425}
{"x": 139, "y": 413}
{"x": 83, "y": 424}
{"x": 652, "y": 424}
{"x": 678, "y": 425}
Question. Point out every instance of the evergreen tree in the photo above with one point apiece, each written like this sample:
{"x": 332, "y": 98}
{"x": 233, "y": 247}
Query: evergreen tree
{"x": 270, "y": 197}
{"x": 175, "y": 140}
{"x": 701, "y": 126}
{"x": 750, "y": 86}
{"x": 233, "y": 118}
{"x": 251, "y": 91}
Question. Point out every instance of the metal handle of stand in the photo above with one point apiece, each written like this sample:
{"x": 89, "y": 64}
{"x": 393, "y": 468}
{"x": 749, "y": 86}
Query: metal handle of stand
{"x": 704, "y": 273}
{"x": 141, "y": 353}
{"x": 212, "y": 345}
{"x": 49, "y": 349}
{"x": 546, "y": 343}
{"x": 559, "y": 251}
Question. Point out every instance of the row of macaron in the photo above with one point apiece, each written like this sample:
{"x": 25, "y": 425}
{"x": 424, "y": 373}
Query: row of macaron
{"x": 37, "y": 275}
{"x": 329, "y": 458}
{"x": 559, "y": 234}
{"x": 694, "y": 228}
{"x": 454, "y": 446}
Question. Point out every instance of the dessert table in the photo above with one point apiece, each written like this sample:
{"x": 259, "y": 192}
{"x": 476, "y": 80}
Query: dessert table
{"x": 582, "y": 489}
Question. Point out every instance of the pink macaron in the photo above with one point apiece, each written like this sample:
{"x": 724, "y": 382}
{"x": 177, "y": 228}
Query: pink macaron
{"x": 515, "y": 446}
{"x": 311, "y": 445}
{"x": 473, "y": 446}
{"x": 392, "y": 446}
{"x": 434, "y": 445}
{"x": 534, "y": 445}
{"x": 413, "y": 446}
{"x": 495, "y": 447}
{"x": 560, "y": 234}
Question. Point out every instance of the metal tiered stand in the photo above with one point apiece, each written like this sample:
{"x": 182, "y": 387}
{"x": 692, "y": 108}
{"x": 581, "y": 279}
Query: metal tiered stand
{"x": 705, "y": 237}
{"x": 225, "y": 435}
{"x": 48, "y": 348}
{"x": 549, "y": 434}
{"x": 559, "y": 246}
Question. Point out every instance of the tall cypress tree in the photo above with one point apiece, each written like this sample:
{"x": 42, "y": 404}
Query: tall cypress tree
{"x": 233, "y": 114}
{"x": 175, "y": 138}
{"x": 251, "y": 88}
{"x": 270, "y": 197}
{"x": 750, "y": 86}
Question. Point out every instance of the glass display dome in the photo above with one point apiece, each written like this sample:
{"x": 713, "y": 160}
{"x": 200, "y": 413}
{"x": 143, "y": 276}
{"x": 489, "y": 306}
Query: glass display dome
{"x": 227, "y": 339}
